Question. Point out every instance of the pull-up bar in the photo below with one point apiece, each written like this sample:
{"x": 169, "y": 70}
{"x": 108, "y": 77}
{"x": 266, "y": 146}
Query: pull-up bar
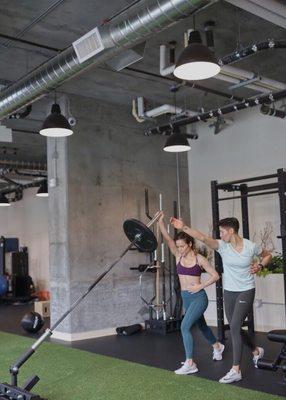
{"x": 257, "y": 178}
{"x": 247, "y": 195}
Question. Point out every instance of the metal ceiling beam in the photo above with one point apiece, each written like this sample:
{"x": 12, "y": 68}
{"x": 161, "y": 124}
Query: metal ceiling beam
{"x": 270, "y": 10}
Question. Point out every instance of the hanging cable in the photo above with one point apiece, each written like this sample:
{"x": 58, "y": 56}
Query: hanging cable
{"x": 233, "y": 204}
{"x": 178, "y": 185}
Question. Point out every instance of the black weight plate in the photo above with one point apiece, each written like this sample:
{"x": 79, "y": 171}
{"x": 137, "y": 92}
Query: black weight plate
{"x": 146, "y": 239}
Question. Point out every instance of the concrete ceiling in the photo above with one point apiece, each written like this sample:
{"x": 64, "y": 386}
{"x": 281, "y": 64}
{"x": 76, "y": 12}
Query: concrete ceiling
{"x": 71, "y": 19}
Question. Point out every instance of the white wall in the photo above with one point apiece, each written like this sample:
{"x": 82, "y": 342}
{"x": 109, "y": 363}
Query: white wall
{"x": 254, "y": 145}
{"x": 27, "y": 220}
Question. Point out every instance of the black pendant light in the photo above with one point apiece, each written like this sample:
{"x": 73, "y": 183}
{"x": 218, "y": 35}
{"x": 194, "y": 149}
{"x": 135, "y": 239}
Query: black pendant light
{"x": 177, "y": 142}
{"x": 43, "y": 190}
{"x": 4, "y": 202}
{"x": 196, "y": 61}
{"x": 56, "y": 125}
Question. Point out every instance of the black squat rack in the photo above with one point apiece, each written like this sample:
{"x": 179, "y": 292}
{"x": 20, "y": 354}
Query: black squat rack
{"x": 276, "y": 184}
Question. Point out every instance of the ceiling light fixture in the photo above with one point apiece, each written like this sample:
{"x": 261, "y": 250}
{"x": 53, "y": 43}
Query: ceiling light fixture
{"x": 197, "y": 61}
{"x": 43, "y": 190}
{"x": 177, "y": 142}
{"x": 56, "y": 125}
{"x": 4, "y": 202}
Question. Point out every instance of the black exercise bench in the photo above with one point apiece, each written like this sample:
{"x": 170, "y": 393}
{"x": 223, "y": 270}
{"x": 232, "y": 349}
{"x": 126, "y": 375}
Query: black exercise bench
{"x": 280, "y": 361}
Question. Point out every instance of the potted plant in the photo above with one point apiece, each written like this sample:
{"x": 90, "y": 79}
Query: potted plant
{"x": 274, "y": 267}
{"x": 270, "y": 281}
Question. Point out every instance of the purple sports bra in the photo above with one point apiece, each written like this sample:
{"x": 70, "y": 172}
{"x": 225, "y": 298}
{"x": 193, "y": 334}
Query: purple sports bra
{"x": 191, "y": 271}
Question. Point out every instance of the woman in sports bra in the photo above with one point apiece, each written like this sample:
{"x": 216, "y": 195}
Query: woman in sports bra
{"x": 190, "y": 266}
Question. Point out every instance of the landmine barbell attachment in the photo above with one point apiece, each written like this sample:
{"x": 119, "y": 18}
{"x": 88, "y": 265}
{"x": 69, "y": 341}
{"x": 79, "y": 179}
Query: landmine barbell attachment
{"x": 140, "y": 236}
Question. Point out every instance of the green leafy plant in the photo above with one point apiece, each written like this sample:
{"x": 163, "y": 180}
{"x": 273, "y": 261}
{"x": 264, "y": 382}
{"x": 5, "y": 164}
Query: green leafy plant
{"x": 274, "y": 267}
{"x": 265, "y": 239}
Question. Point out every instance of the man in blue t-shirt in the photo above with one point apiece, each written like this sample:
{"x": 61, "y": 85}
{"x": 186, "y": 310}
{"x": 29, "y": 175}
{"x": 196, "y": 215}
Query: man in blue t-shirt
{"x": 241, "y": 259}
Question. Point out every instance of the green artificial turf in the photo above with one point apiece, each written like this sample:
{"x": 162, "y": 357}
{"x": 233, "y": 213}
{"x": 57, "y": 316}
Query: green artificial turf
{"x": 70, "y": 374}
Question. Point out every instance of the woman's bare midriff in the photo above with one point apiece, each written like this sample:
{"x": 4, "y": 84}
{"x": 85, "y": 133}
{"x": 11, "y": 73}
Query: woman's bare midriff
{"x": 186, "y": 281}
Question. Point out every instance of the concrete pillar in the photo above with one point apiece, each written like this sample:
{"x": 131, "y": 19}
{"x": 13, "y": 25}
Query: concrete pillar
{"x": 101, "y": 173}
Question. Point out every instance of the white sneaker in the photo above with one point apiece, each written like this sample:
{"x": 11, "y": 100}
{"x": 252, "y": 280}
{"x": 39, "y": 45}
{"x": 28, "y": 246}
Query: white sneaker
{"x": 186, "y": 369}
{"x": 259, "y": 356}
{"x": 217, "y": 353}
{"x": 231, "y": 376}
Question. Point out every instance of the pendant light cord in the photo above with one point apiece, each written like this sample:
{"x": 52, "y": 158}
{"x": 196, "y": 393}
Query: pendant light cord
{"x": 178, "y": 186}
{"x": 177, "y": 162}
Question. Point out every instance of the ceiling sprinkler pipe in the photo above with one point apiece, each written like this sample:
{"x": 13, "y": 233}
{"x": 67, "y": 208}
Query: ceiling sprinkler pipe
{"x": 24, "y": 165}
{"x": 266, "y": 110}
{"x": 250, "y": 50}
{"x": 205, "y": 116}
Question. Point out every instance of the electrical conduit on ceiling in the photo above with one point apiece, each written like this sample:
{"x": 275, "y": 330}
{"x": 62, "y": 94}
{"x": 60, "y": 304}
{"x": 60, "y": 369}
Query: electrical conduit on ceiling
{"x": 204, "y": 116}
{"x": 152, "y": 17}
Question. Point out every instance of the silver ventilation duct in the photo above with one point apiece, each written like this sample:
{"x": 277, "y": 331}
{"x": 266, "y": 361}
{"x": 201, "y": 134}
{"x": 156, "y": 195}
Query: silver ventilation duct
{"x": 97, "y": 46}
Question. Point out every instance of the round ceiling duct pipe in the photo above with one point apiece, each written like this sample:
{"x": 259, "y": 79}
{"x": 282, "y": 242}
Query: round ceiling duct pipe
{"x": 151, "y": 17}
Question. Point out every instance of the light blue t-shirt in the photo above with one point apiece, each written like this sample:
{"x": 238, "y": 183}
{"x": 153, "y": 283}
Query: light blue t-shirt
{"x": 236, "y": 265}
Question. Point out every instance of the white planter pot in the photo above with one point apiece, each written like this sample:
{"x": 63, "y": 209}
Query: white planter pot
{"x": 269, "y": 305}
{"x": 270, "y": 289}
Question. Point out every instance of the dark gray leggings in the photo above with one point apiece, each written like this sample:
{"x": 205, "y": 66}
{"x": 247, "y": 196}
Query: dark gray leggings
{"x": 237, "y": 306}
